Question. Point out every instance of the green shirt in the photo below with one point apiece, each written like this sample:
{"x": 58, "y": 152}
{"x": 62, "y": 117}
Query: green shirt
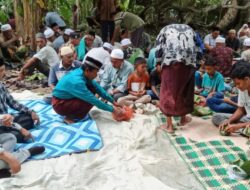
{"x": 214, "y": 83}
{"x": 128, "y": 20}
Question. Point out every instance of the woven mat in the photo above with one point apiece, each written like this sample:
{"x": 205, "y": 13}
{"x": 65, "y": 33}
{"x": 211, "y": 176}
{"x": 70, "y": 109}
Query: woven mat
{"x": 208, "y": 161}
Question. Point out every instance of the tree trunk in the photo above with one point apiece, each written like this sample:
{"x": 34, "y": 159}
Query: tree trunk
{"x": 247, "y": 11}
{"x": 19, "y": 17}
{"x": 28, "y": 14}
{"x": 229, "y": 16}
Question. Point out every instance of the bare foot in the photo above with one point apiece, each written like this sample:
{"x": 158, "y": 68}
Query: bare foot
{"x": 167, "y": 129}
{"x": 185, "y": 120}
{"x": 68, "y": 121}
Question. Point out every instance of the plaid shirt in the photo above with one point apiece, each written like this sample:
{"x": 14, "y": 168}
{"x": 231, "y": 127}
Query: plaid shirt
{"x": 6, "y": 100}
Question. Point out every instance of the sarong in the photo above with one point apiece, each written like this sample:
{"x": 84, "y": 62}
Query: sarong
{"x": 177, "y": 89}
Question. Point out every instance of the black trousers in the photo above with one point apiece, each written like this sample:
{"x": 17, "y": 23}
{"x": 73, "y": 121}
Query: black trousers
{"x": 107, "y": 28}
{"x": 25, "y": 120}
{"x": 41, "y": 67}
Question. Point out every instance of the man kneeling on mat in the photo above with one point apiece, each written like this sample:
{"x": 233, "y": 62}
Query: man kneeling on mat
{"x": 74, "y": 94}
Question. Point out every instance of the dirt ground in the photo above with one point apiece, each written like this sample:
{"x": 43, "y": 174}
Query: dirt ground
{"x": 31, "y": 83}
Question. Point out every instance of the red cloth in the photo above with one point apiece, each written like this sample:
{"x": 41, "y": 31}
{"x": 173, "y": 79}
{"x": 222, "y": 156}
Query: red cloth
{"x": 224, "y": 58}
{"x": 177, "y": 89}
{"x": 72, "y": 108}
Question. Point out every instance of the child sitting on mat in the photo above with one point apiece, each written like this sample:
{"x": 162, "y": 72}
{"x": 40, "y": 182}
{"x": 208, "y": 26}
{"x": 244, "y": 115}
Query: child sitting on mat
{"x": 137, "y": 83}
{"x": 212, "y": 81}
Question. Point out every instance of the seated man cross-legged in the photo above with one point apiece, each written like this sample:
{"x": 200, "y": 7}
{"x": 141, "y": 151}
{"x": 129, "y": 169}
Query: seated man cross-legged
{"x": 23, "y": 120}
{"x": 10, "y": 160}
{"x": 241, "y": 117}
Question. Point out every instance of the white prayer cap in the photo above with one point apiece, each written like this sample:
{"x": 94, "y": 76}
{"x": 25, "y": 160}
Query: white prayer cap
{"x": 5, "y": 27}
{"x": 94, "y": 58}
{"x": 117, "y": 54}
{"x": 108, "y": 46}
{"x": 247, "y": 42}
{"x": 49, "y": 33}
{"x": 220, "y": 40}
{"x": 65, "y": 50}
{"x": 68, "y": 31}
{"x": 126, "y": 42}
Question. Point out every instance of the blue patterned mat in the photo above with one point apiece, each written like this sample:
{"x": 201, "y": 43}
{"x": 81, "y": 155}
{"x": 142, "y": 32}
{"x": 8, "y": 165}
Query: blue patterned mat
{"x": 59, "y": 138}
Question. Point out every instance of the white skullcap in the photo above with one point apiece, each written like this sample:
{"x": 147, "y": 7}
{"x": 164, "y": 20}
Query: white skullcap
{"x": 245, "y": 25}
{"x": 247, "y": 42}
{"x": 49, "y": 33}
{"x": 126, "y": 42}
{"x": 94, "y": 58}
{"x": 220, "y": 40}
{"x": 68, "y": 31}
{"x": 5, "y": 27}
{"x": 108, "y": 46}
{"x": 65, "y": 50}
{"x": 117, "y": 54}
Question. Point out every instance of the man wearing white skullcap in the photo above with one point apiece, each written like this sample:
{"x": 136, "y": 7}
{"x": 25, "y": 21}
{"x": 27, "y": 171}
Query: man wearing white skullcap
{"x": 63, "y": 67}
{"x": 108, "y": 46}
{"x": 115, "y": 75}
{"x": 63, "y": 39}
{"x": 50, "y": 36}
{"x": 9, "y": 42}
{"x": 74, "y": 95}
{"x": 245, "y": 55}
{"x": 126, "y": 42}
{"x": 130, "y": 52}
{"x": 43, "y": 60}
{"x": 104, "y": 54}
{"x": 223, "y": 55}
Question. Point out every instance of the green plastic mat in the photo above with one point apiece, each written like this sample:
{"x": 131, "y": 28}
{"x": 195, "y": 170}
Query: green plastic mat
{"x": 209, "y": 162}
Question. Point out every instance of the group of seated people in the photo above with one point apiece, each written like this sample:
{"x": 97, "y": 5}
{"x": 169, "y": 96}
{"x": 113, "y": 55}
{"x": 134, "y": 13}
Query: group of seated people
{"x": 82, "y": 75}
{"x": 223, "y": 69}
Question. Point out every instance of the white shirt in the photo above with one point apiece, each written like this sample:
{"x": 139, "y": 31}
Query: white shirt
{"x": 244, "y": 101}
{"x": 47, "y": 55}
{"x": 209, "y": 40}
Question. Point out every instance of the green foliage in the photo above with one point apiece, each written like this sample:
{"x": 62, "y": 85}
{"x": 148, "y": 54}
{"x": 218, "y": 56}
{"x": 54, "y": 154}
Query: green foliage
{"x": 3, "y": 17}
{"x": 125, "y": 4}
{"x": 6, "y": 7}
